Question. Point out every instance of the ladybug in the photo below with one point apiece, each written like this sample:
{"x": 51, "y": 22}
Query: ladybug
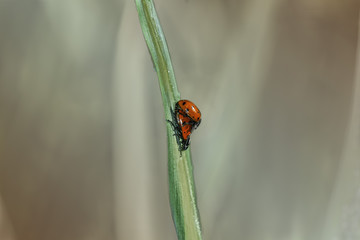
{"x": 185, "y": 126}
{"x": 186, "y": 118}
{"x": 189, "y": 109}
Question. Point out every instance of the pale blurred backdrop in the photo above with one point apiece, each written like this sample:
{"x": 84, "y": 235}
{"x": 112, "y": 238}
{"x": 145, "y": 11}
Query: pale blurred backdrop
{"x": 82, "y": 129}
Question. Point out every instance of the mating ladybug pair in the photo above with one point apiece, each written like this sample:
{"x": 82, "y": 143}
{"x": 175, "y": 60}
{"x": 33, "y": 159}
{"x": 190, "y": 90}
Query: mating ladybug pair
{"x": 186, "y": 118}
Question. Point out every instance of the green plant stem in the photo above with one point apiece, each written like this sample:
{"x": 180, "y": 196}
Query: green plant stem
{"x": 181, "y": 180}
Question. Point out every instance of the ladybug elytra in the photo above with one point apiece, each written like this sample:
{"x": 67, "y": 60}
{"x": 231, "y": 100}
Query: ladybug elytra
{"x": 189, "y": 109}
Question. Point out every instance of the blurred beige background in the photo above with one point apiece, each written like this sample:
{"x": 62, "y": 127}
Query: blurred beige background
{"x": 82, "y": 129}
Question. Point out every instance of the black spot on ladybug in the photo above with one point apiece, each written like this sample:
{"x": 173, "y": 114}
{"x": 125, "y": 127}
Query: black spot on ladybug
{"x": 186, "y": 109}
{"x": 184, "y": 103}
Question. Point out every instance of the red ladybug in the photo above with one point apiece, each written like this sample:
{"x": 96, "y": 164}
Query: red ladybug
{"x": 184, "y": 125}
{"x": 186, "y": 118}
{"x": 189, "y": 109}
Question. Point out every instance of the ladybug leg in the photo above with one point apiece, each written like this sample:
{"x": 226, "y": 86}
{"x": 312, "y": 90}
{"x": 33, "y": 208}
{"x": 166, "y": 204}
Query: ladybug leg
{"x": 177, "y": 131}
{"x": 196, "y": 124}
{"x": 185, "y": 144}
{"x": 172, "y": 124}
